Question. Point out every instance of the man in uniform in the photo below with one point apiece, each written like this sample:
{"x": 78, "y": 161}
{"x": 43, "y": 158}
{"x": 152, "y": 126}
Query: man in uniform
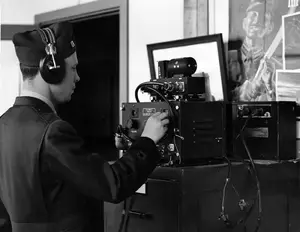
{"x": 45, "y": 172}
{"x": 258, "y": 78}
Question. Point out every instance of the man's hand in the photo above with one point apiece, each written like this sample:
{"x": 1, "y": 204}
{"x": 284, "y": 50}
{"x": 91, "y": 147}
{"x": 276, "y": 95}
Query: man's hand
{"x": 156, "y": 126}
{"x": 121, "y": 143}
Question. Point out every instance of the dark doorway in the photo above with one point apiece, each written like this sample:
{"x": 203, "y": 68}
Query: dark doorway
{"x": 94, "y": 108}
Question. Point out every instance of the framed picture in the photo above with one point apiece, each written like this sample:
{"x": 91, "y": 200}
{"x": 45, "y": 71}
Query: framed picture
{"x": 267, "y": 38}
{"x": 288, "y": 85}
{"x": 208, "y": 52}
{"x": 291, "y": 41}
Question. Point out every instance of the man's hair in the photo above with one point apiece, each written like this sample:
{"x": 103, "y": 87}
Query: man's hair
{"x": 28, "y": 73}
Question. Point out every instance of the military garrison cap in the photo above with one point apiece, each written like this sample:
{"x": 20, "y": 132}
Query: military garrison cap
{"x": 31, "y": 48}
{"x": 268, "y": 5}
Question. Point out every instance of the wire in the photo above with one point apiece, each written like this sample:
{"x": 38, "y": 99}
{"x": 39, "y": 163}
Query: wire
{"x": 163, "y": 97}
{"x": 177, "y": 150}
{"x": 243, "y": 128}
{"x": 223, "y": 214}
{"x": 257, "y": 185}
{"x": 144, "y": 85}
{"x": 260, "y": 211}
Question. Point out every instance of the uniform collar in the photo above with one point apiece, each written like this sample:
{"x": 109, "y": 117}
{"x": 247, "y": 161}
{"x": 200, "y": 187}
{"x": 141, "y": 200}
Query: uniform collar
{"x": 29, "y": 96}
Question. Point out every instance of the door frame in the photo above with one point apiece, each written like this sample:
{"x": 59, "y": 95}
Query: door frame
{"x": 98, "y": 9}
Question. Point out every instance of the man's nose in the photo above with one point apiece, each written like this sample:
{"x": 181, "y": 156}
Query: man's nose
{"x": 77, "y": 78}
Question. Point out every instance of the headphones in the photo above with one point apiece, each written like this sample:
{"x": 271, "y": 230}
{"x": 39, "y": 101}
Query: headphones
{"x": 52, "y": 67}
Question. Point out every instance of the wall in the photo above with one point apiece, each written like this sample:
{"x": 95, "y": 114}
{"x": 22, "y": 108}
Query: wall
{"x": 219, "y": 18}
{"x": 150, "y": 22}
{"x": 9, "y": 76}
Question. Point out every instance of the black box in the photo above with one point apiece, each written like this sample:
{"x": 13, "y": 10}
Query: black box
{"x": 270, "y": 130}
{"x": 200, "y": 127}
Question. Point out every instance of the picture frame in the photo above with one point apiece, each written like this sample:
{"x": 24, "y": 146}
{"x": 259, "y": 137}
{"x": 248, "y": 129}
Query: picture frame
{"x": 209, "y": 53}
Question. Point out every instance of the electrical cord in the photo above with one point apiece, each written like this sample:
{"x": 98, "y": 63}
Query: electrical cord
{"x": 260, "y": 211}
{"x": 148, "y": 84}
{"x": 163, "y": 97}
{"x": 257, "y": 185}
{"x": 223, "y": 214}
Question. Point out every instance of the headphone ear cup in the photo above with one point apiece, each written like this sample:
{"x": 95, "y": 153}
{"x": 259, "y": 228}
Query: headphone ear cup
{"x": 54, "y": 75}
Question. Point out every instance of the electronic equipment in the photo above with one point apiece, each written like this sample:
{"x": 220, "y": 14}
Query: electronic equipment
{"x": 268, "y": 128}
{"x": 178, "y": 85}
{"x": 181, "y": 67}
{"x": 196, "y": 132}
{"x": 189, "y": 58}
{"x": 176, "y": 88}
{"x": 177, "y": 82}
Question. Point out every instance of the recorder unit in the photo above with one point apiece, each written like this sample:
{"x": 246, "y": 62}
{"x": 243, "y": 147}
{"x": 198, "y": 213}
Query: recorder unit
{"x": 267, "y": 128}
{"x": 196, "y": 131}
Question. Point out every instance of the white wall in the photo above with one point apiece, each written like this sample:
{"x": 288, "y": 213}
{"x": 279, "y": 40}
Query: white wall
{"x": 9, "y": 75}
{"x": 150, "y": 21}
{"x": 22, "y": 12}
{"x": 219, "y": 18}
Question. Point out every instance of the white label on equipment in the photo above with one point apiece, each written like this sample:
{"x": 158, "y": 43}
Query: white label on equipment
{"x": 142, "y": 189}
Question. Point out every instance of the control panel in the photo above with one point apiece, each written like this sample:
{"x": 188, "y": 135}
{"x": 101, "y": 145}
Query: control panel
{"x": 254, "y": 111}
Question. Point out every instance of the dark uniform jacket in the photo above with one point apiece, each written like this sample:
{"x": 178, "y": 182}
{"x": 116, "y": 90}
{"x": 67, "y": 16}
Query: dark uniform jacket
{"x": 45, "y": 173}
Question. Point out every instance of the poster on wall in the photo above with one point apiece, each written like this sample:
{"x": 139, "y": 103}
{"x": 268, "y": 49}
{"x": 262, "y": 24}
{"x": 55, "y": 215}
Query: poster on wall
{"x": 264, "y": 49}
{"x": 288, "y": 85}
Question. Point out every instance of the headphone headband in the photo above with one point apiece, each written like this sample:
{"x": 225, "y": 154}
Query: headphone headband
{"x": 50, "y": 35}
{"x": 43, "y": 36}
{"x": 48, "y": 38}
{"x": 52, "y": 68}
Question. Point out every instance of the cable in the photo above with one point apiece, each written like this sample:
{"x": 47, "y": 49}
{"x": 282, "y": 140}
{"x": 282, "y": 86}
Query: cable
{"x": 255, "y": 172}
{"x": 177, "y": 150}
{"x": 144, "y": 85}
{"x": 257, "y": 185}
{"x": 243, "y": 128}
{"x": 223, "y": 214}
